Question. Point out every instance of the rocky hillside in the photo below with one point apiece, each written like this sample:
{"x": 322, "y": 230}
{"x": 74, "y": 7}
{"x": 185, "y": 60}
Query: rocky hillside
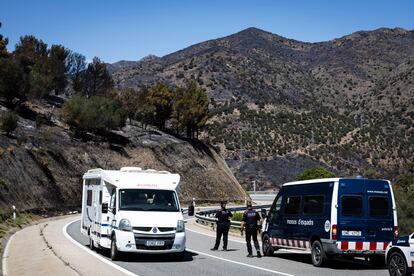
{"x": 345, "y": 104}
{"x": 42, "y": 166}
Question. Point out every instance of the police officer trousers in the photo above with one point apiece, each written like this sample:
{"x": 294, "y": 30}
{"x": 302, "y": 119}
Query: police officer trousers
{"x": 222, "y": 230}
{"x": 251, "y": 232}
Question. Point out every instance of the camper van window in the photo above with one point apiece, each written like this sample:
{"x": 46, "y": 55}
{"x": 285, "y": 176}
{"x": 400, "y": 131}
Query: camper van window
{"x": 351, "y": 205}
{"x": 378, "y": 206}
{"x": 89, "y": 198}
{"x": 292, "y": 205}
{"x": 100, "y": 197}
{"x": 113, "y": 199}
{"x": 148, "y": 200}
{"x": 313, "y": 204}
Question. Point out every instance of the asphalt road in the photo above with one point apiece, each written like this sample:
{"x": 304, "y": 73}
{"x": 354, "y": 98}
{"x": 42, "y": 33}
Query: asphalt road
{"x": 199, "y": 260}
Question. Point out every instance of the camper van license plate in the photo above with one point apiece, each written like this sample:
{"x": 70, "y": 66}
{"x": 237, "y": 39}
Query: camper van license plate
{"x": 351, "y": 233}
{"x": 154, "y": 243}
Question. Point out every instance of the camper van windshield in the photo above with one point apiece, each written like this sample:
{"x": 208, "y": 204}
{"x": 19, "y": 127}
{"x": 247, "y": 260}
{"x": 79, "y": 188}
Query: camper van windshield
{"x": 148, "y": 200}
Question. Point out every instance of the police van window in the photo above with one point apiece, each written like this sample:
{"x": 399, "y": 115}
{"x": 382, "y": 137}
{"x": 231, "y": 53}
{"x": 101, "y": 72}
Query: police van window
{"x": 378, "y": 206}
{"x": 313, "y": 204}
{"x": 89, "y": 198}
{"x": 278, "y": 204}
{"x": 292, "y": 206}
{"x": 351, "y": 205}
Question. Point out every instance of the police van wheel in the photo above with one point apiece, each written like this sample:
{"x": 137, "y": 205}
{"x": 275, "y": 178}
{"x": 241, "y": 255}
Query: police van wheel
{"x": 267, "y": 246}
{"x": 377, "y": 261}
{"x": 114, "y": 251}
{"x": 318, "y": 254}
{"x": 397, "y": 265}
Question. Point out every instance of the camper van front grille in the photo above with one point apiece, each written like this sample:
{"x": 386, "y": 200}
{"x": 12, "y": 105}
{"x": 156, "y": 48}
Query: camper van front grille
{"x": 147, "y": 229}
{"x": 144, "y": 229}
{"x": 166, "y": 229}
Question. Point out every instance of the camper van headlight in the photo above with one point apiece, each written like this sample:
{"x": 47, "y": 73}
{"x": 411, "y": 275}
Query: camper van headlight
{"x": 180, "y": 226}
{"x": 125, "y": 225}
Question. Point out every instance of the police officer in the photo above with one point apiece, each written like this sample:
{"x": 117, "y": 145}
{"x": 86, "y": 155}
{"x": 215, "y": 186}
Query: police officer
{"x": 250, "y": 222}
{"x": 223, "y": 226}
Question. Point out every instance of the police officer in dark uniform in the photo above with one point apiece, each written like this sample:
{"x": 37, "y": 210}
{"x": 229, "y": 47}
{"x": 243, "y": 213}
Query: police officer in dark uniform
{"x": 250, "y": 222}
{"x": 223, "y": 226}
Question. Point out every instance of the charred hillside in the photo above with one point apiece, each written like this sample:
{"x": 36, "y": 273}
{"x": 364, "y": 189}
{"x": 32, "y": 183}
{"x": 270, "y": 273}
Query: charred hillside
{"x": 275, "y": 98}
{"x": 42, "y": 165}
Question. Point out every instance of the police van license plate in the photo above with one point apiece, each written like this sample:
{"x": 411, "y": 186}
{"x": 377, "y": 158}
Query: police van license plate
{"x": 154, "y": 243}
{"x": 351, "y": 233}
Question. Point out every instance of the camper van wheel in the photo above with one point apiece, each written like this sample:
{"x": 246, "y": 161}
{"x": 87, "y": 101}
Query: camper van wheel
{"x": 267, "y": 246}
{"x": 318, "y": 254}
{"x": 114, "y": 251}
{"x": 91, "y": 245}
{"x": 179, "y": 256}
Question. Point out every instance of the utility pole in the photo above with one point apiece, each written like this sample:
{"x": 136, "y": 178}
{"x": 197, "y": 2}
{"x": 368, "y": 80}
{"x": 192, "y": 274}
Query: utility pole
{"x": 254, "y": 186}
{"x": 241, "y": 147}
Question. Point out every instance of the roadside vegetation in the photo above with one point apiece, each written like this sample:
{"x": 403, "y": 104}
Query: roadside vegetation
{"x": 7, "y": 223}
{"x": 35, "y": 71}
{"x": 315, "y": 173}
{"x": 404, "y": 195}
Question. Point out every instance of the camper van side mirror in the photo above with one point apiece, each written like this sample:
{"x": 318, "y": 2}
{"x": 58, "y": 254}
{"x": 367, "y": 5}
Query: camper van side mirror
{"x": 191, "y": 210}
{"x": 104, "y": 208}
{"x": 114, "y": 210}
{"x": 264, "y": 213}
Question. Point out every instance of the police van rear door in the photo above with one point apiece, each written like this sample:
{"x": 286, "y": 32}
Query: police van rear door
{"x": 364, "y": 210}
{"x": 380, "y": 223}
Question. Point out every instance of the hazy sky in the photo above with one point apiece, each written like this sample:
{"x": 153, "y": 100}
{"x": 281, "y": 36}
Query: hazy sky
{"x": 116, "y": 30}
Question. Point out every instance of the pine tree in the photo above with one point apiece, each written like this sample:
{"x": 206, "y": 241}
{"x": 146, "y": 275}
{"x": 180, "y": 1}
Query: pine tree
{"x": 160, "y": 98}
{"x": 97, "y": 80}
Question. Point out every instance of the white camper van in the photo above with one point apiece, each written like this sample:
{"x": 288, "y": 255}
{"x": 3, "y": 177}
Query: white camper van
{"x": 133, "y": 210}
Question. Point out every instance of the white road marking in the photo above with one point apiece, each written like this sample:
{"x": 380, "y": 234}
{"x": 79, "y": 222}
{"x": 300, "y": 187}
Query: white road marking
{"x": 96, "y": 255}
{"x": 6, "y": 255}
{"x": 239, "y": 263}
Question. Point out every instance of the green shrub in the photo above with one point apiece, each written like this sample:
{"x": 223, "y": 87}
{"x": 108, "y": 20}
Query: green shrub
{"x": 237, "y": 216}
{"x": 9, "y": 122}
{"x": 315, "y": 173}
{"x": 96, "y": 114}
{"x": 44, "y": 161}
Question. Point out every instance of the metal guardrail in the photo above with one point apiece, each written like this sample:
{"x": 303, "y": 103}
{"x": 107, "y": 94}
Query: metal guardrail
{"x": 206, "y": 217}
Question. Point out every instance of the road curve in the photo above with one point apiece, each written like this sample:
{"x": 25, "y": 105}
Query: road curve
{"x": 200, "y": 260}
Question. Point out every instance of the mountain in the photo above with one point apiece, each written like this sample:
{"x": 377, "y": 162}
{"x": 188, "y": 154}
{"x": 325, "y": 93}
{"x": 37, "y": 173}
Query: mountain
{"x": 42, "y": 166}
{"x": 344, "y": 104}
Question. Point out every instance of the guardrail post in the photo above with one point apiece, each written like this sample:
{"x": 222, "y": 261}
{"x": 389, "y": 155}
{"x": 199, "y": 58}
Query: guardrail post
{"x": 14, "y": 212}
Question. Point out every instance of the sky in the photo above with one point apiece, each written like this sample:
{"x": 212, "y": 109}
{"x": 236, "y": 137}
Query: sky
{"x": 132, "y": 29}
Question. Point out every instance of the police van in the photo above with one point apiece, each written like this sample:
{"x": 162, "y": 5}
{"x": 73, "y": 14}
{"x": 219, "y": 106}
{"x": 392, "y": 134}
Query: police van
{"x": 133, "y": 210}
{"x": 333, "y": 216}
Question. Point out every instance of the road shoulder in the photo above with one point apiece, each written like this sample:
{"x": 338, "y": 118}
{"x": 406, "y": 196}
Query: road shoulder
{"x": 43, "y": 249}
